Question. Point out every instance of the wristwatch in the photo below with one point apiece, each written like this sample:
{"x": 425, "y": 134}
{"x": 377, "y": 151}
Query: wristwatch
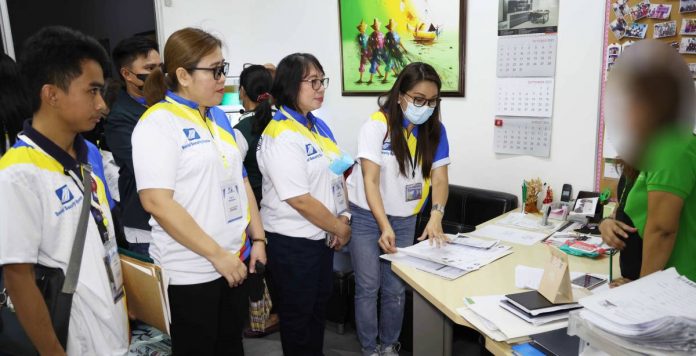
{"x": 439, "y": 208}
{"x": 348, "y": 215}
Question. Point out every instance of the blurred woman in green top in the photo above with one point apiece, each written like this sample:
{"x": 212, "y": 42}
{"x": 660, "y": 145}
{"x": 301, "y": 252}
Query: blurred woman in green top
{"x": 650, "y": 113}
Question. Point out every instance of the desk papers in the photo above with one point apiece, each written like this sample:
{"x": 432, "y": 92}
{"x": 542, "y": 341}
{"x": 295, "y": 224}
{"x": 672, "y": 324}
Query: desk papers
{"x": 529, "y": 222}
{"x": 438, "y": 269}
{"x": 459, "y": 256}
{"x": 655, "y": 312}
{"x": 509, "y": 234}
{"x": 486, "y": 314}
{"x": 450, "y": 261}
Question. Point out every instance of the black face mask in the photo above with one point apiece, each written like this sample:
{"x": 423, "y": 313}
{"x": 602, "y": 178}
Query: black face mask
{"x": 142, "y": 78}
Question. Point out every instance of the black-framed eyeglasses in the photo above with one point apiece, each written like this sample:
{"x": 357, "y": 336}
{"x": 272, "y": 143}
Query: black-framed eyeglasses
{"x": 318, "y": 83}
{"x": 217, "y": 71}
{"x": 419, "y": 102}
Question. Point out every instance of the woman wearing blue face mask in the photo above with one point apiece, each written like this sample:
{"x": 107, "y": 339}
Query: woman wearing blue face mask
{"x": 403, "y": 150}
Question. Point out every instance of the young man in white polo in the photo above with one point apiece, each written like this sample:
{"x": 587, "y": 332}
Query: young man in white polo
{"x": 40, "y": 186}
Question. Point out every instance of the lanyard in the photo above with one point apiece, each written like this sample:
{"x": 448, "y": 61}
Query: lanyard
{"x": 411, "y": 159}
{"x": 95, "y": 208}
{"x": 215, "y": 136}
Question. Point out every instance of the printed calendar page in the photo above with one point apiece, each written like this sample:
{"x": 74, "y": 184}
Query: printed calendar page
{"x": 522, "y": 136}
{"x": 528, "y": 97}
{"x": 527, "y": 56}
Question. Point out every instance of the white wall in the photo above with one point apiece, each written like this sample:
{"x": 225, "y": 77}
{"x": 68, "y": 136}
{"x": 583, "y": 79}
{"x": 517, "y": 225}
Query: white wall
{"x": 266, "y": 31}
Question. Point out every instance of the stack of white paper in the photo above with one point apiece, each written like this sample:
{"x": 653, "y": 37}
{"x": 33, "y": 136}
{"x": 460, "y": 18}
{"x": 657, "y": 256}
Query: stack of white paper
{"x": 459, "y": 256}
{"x": 451, "y": 260}
{"x": 437, "y": 269}
{"x": 656, "y": 312}
{"x": 486, "y": 314}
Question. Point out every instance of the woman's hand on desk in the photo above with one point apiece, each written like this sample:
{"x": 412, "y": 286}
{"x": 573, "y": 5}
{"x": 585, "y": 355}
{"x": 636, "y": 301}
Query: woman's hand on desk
{"x": 619, "y": 282}
{"x": 433, "y": 231}
{"x": 614, "y": 232}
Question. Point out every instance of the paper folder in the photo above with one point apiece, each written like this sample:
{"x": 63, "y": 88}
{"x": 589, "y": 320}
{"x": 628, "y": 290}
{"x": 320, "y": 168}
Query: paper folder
{"x": 146, "y": 289}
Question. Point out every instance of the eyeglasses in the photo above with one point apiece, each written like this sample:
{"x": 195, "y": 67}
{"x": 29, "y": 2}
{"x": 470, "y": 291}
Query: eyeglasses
{"x": 217, "y": 71}
{"x": 318, "y": 83}
{"x": 419, "y": 102}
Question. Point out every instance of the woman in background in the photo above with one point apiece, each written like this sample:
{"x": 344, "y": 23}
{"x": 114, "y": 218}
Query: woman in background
{"x": 255, "y": 83}
{"x": 254, "y": 90}
{"x": 403, "y": 149}
{"x": 14, "y": 102}
{"x": 652, "y": 117}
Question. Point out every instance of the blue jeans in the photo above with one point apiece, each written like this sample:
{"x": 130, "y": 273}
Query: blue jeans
{"x": 373, "y": 274}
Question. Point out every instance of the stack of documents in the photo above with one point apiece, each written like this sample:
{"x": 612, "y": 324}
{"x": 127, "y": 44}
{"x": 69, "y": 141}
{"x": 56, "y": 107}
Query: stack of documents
{"x": 486, "y": 314}
{"x": 657, "y": 313}
{"x": 453, "y": 260}
{"x": 518, "y": 228}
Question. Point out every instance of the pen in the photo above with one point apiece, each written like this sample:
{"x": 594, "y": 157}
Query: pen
{"x": 611, "y": 266}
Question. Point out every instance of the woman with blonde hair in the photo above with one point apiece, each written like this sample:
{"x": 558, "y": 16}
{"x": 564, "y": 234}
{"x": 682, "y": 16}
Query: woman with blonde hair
{"x": 190, "y": 178}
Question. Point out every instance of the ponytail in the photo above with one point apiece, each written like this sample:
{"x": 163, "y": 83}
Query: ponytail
{"x": 257, "y": 82}
{"x": 263, "y": 114}
{"x": 155, "y": 87}
{"x": 184, "y": 49}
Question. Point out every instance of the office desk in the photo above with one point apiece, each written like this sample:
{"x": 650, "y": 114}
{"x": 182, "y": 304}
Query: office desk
{"x": 435, "y": 300}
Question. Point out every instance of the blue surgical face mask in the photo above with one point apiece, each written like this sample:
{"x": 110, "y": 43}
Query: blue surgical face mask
{"x": 341, "y": 164}
{"x": 418, "y": 115}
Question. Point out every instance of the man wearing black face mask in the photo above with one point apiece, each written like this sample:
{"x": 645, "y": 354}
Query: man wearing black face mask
{"x": 134, "y": 59}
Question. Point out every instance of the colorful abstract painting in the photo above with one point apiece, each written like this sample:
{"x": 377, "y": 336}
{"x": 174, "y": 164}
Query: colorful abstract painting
{"x": 380, "y": 37}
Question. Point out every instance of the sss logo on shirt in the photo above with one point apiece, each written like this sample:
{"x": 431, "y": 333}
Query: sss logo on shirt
{"x": 64, "y": 194}
{"x": 311, "y": 151}
{"x": 191, "y": 134}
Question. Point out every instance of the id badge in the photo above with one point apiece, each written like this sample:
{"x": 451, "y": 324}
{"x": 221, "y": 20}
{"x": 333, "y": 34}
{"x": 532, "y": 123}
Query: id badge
{"x": 339, "y": 194}
{"x": 232, "y": 201}
{"x": 414, "y": 191}
{"x": 113, "y": 269}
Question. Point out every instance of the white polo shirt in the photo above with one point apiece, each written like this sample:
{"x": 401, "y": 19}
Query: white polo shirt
{"x": 39, "y": 214}
{"x": 295, "y": 161}
{"x": 173, "y": 148}
{"x": 375, "y": 145}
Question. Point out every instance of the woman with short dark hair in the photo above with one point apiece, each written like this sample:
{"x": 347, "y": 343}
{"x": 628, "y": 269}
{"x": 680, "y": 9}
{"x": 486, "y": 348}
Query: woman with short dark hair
{"x": 303, "y": 199}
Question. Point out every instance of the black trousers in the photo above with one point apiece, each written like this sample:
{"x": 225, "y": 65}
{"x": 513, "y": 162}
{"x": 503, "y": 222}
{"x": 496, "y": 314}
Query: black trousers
{"x": 207, "y": 318}
{"x": 302, "y": 276}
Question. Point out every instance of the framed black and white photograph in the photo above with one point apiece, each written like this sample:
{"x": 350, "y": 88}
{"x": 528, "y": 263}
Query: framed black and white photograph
{"x": 517, "y": 17}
